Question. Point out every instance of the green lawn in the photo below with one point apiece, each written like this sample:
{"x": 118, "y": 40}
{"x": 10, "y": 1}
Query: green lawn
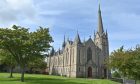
{"x": 46, "y": 79}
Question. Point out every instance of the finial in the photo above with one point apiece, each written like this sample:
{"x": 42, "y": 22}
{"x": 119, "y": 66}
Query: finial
{"x": 64, "y": 37}
{"x": 106, "y": 32}
{"x": 99, "y": 4}
{"x": 94, "y": 33}
{"x": 99, "y": 1}
{"x": 77, "y": 31}
{"x": 64, "y": 42}
{"x": 90, "y": 36}
{"x": 59, "y": 50}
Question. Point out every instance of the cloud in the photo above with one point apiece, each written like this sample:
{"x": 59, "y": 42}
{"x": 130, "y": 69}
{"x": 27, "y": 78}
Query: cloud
{"x": 14, "y": 11}
{"x": 120, "y": 18}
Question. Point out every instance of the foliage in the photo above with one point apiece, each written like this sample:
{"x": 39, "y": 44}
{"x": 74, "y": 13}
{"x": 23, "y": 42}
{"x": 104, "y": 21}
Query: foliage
{"x": 37, "y": 66}
{"x": 7, "y": 60}
{"x": 116, "y": 74}
{"x": 23, "y": 45}
{"x": 134, "y": 64}
{"x": 126, "y": 62}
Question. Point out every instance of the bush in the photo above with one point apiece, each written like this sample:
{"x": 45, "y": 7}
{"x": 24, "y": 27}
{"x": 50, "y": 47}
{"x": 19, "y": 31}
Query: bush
{"x": 116, "y": 75}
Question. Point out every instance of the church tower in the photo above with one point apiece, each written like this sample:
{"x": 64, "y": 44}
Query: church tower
{"x": 101, "y": 41}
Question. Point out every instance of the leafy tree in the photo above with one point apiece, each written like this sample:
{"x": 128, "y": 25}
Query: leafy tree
{"x": 37, "y": 65}
{"x": 8, "y": 60}
{"x": 117, "y": 59}
{"x": 25, "y": 46}
{"x": 116, "y": 74}
{"x": 126, "y": 62}
{"x": 133, "y": 64}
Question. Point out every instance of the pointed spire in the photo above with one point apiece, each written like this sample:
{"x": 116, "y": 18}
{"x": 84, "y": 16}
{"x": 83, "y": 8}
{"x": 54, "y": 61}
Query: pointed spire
{"x": 99, "y": 6}
{"x": 90, "y": 36}
{"x": 59, "y": 51}
{"x": 64, "y": 42}
{"x": 100, "y": 23}
{"x": 52, "y": 52}
{"x": 94, "y": 34}
{"x": 77, "y": 39}
{"x": 106, "y": 33}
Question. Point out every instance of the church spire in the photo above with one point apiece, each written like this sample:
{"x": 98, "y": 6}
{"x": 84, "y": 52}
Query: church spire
{"x": 64, "y": 42}
{"x": 100, "y": 23}
{"x": 77, "y": 39}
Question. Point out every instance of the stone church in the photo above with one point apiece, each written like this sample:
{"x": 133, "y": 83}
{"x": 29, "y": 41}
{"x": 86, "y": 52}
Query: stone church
{"x": 82, "y": 59}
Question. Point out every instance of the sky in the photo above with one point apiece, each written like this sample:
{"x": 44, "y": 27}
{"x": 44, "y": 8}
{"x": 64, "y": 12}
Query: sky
{"x": 121, "y": 18}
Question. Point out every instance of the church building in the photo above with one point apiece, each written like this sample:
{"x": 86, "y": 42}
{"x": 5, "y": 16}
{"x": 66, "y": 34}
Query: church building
{"x": 82, "y": 59}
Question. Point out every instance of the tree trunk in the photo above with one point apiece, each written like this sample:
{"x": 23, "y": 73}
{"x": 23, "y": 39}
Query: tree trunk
{"x": 31, "y": 70}
{"x": 22, "y": 74}
{"x": 11, "y": 72}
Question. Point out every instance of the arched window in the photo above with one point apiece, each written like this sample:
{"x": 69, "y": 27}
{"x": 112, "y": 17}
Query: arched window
{"x": 89, "y": 54}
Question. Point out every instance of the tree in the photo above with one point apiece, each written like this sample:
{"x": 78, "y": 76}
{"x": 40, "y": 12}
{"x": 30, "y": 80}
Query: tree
{"x": 134, "y": 64}
{"x": 116, "y": 74}
{"x": 8, "y": 60}
{"x": 25, "y": 46}
{"x": 126, "y": 62}
{"x": 37, "y": 66}
{"x": 117, "y": 59}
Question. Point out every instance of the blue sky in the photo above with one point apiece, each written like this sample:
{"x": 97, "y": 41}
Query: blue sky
{"x": 121, "y": 18}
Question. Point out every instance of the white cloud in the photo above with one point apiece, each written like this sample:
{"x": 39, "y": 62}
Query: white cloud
{"x": 14, "y": 11}
{"x": 120, "y": 18}
{"x": 18, "y": 4}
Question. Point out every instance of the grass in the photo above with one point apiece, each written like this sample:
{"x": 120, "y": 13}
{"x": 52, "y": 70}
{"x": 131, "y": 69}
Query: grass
{"x": 46, "y": 79}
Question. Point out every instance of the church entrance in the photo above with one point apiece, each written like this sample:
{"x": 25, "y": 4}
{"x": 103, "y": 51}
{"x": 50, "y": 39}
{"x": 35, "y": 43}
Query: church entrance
{"x": 89, "y": 72}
